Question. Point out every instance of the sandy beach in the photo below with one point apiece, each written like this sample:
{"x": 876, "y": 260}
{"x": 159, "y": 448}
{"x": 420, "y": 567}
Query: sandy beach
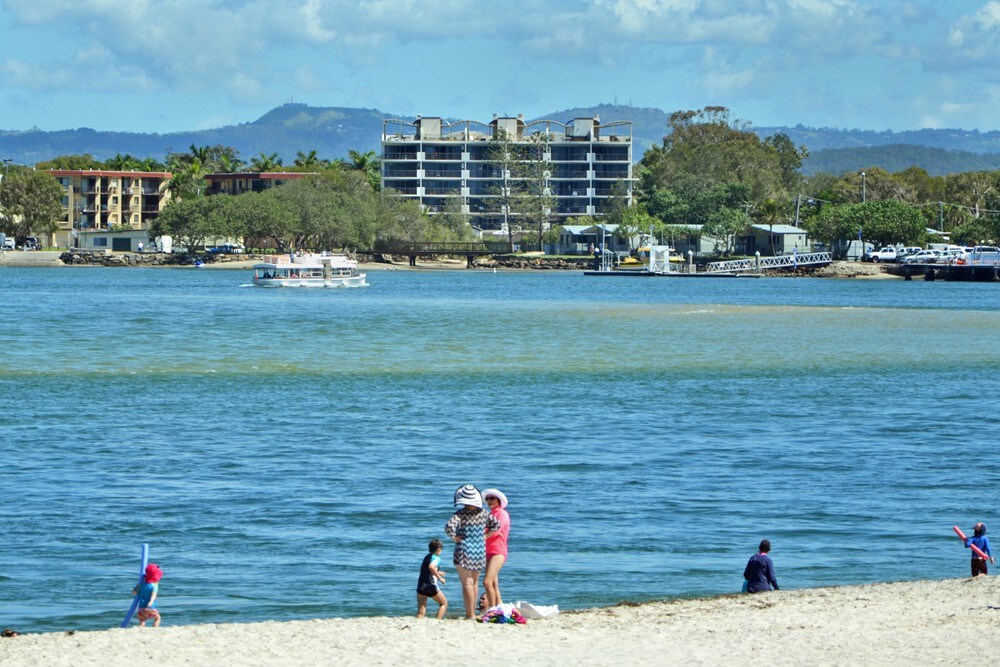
{"x": 953, "y": 621}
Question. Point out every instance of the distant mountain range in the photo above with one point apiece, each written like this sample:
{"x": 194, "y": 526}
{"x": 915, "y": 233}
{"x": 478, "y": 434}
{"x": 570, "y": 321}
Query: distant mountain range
{"x": 332, "y": 131}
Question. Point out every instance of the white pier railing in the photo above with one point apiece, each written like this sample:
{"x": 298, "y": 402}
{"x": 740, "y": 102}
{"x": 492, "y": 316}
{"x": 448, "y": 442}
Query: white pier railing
{"x": 760, "y": 263}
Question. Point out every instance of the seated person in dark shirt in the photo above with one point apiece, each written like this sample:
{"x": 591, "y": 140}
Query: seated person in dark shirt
{"x": 759, "y": 571}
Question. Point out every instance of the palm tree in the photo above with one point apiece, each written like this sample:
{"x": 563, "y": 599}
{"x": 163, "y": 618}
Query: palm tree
{"x": 230, "y": 164}
{"x": 771, "y": 213}
{"x": 367, "y": 163}
{"x": 307, "y": 160}
{"x": 202, "y": 154}
{"x": 121, "y": 162}
{"x": 265, "y": 162}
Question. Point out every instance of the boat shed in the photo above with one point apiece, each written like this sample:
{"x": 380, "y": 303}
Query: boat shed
{"x": 774, "y": 240}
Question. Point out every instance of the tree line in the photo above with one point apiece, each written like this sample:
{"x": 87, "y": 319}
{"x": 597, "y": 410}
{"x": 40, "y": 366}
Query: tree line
{"x": 715, "y": 172}
{"x": 711, "y": 176}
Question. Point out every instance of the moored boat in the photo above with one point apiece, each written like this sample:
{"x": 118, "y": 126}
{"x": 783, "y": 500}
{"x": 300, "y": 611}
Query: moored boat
{"x": 309, "y": 270}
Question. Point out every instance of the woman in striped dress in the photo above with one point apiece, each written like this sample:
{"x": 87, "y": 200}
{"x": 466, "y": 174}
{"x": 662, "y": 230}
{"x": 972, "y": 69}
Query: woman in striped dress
{"x": 469, "y": 527}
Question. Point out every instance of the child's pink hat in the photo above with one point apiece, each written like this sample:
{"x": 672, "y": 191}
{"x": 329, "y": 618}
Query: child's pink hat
{"x": 153, "y": 573}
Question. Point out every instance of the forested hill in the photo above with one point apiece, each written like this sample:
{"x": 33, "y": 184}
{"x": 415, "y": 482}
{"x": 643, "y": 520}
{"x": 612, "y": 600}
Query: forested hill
{"x": 332, "y": 131}
{"x": 897, "y": 157}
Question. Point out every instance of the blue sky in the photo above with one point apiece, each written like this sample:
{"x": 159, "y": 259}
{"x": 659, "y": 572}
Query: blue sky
{"x": 172, "y": 65}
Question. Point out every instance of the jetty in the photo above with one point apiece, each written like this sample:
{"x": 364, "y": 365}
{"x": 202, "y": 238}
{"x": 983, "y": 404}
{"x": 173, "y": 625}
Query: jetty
{"x": 661, "y": 266}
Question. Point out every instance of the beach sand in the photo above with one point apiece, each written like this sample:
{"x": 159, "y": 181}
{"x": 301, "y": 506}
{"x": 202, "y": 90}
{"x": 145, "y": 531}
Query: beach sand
{"x": 955, "y": 621}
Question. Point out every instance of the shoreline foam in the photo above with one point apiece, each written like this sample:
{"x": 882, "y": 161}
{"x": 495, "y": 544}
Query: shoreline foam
{"x": 951, "y": 621}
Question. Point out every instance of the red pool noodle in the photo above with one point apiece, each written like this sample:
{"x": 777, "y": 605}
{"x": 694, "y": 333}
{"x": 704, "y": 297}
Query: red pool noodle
{"x": 979, "y": 552}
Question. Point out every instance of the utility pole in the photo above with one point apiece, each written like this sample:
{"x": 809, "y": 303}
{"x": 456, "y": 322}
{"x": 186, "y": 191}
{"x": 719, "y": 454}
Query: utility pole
{"x": 940, "y": 216}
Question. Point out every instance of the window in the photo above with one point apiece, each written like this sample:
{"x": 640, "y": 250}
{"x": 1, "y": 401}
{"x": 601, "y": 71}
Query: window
{"x": 101, "y": 242}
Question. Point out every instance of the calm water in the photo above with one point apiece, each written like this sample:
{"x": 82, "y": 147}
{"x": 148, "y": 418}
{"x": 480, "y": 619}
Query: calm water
{"x": 288, "y": 454}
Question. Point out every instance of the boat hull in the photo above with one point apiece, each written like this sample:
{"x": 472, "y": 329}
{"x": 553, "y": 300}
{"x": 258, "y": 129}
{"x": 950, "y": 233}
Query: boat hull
{"x": 347, "y": 281}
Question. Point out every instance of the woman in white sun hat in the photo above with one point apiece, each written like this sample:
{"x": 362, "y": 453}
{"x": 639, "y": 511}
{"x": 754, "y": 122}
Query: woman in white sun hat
{"x": 496, "y": 546}
{"x": 469, "y": 527}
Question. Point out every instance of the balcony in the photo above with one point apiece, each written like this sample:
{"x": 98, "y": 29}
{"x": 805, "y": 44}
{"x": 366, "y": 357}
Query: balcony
{"x": 400, "y": 173}
{"x": 392, "y": 153}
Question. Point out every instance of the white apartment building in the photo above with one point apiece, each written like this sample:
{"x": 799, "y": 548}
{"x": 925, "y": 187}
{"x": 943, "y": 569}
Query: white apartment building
{"x": 433, "y": 162}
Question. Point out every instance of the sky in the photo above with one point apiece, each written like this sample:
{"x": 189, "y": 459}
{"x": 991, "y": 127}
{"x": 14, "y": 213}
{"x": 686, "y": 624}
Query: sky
{"x": 181, "y": 65}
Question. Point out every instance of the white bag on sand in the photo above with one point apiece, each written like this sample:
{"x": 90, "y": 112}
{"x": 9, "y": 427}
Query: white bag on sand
{"x": 536, "y": 611}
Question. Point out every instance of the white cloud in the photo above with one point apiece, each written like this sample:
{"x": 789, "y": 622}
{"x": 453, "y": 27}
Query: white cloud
{"x": 973, "y": 42}
{"x": 370, "y": 52}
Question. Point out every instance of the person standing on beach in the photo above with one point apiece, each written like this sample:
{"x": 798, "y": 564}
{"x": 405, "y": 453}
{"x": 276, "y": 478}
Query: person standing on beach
{"x": 496, "y": 546}
{"x": 469, "y": 527}
{"x": 982, "y": 542}
{"x": 147, "y": 592}
{"x": 759, "y": 571}
{"x": 427, "y": 584}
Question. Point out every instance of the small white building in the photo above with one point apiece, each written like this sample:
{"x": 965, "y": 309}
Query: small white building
{"x": 127, "y": 240}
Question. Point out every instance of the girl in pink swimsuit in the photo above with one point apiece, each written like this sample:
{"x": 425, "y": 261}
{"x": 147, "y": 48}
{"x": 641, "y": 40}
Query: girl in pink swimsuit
{"x": 496, "y": 546}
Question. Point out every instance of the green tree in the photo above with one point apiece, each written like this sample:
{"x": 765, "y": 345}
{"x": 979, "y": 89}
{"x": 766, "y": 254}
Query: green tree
{"x": 30, "y": 202}
{"x": 71, "y": 162}
{"x": 308, "y": 161}
{"x": 725, "y": 225}
{"x": 367, "y": 163}
{"x": 709, "y": 146}
{"x": 534, "y": 200}
{"x": 190, "y": 222}
{"x": 876, "y": 184}
{"x": 264, "y": 215}
{"x": 454, "y": 223}
{"x": 635, "y": 224}
{"x": 978, "y": 231}
{"x": 881, "y": 222}
{"x": 771, "y": 213}
{"x": 265, "y": 163}
{"x": 504, "y": 156}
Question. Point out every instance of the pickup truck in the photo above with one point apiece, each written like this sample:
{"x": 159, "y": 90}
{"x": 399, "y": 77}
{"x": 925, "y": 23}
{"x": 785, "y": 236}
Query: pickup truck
{"x": 886, "y": 254}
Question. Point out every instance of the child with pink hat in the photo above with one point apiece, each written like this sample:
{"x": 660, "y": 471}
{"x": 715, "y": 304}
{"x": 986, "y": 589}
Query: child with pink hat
{"x": 496, "y": 546}
{"x": 147, "y": 592}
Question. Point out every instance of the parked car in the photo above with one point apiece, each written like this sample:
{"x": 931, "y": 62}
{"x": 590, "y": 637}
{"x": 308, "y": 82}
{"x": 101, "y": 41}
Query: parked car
{"x": 30, "y": 243}
{"x": 923, "y": 257}
{"x": 8, "y": 243}
{"x": 885, "y": 254}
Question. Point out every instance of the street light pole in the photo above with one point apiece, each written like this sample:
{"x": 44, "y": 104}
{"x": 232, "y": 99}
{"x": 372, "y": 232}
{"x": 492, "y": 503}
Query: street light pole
{"x": 864, "y": 195}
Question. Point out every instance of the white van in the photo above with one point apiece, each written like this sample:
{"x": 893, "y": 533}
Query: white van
{"x": 943, "y": 247}
{"x": 6, "y": 242}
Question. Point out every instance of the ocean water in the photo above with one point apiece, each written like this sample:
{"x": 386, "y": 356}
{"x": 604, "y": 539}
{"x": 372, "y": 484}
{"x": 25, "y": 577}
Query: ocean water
{"x": 287, "y": 454}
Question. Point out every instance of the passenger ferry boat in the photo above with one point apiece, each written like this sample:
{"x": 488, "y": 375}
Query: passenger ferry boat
{"x": 309, "y": 270}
